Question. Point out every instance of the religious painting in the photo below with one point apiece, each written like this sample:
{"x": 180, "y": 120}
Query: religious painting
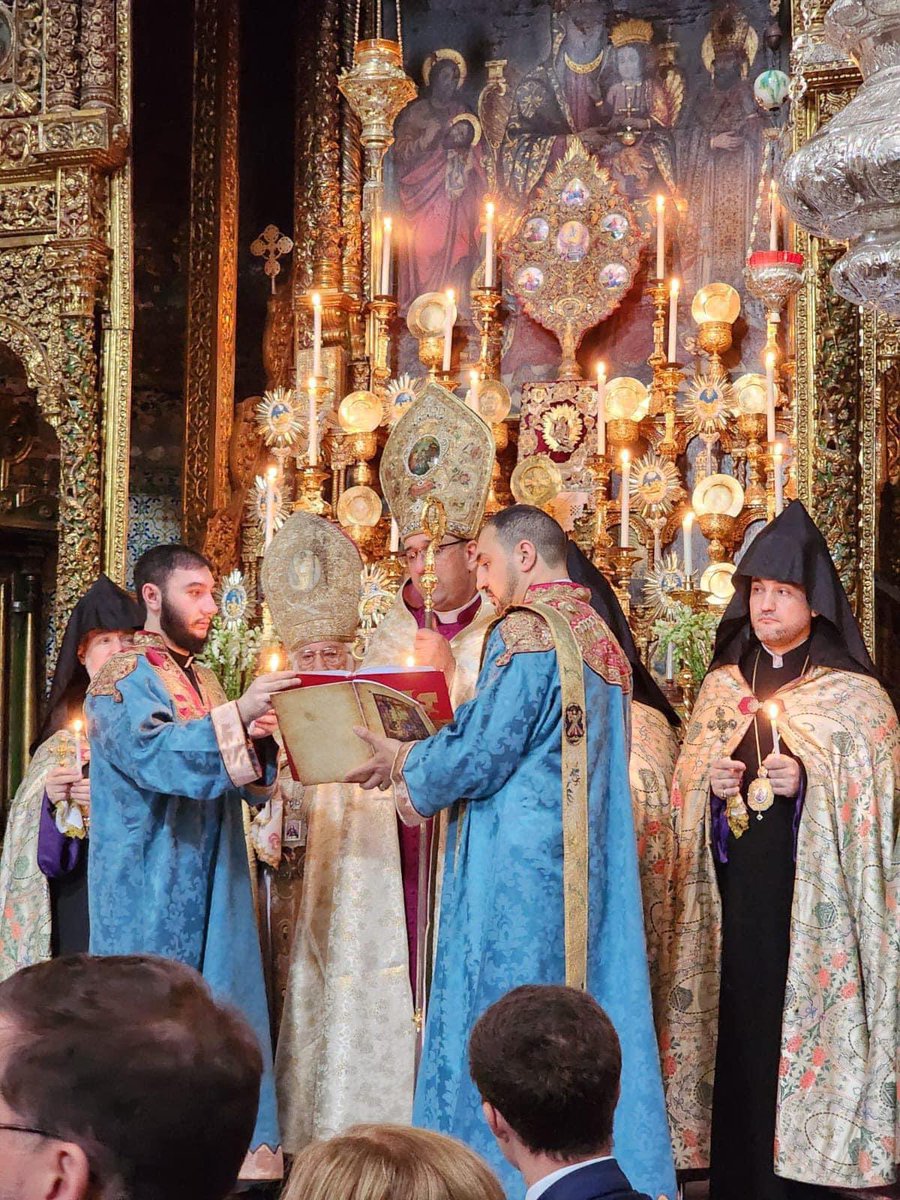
{"x": 504, "y": 95}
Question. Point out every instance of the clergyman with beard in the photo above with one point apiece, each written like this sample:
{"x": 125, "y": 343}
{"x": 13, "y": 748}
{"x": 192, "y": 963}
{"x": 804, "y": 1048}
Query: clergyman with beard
{"x": 171, "y": 761}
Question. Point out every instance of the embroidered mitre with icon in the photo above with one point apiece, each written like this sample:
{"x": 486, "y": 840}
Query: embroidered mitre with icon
{"x": 439, "y": 449}
{"x": 311, "y": 577}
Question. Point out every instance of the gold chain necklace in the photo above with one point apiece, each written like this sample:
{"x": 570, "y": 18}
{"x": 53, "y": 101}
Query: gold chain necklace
{"x": 583, "y": 68}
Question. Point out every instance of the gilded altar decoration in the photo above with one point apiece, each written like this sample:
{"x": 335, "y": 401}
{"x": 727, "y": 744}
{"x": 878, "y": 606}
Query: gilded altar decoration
{"x": 661, "y": 585}
{"x": 400, "y": 393}
{"x": 278, "y": 418}
{"x": 559, "y": 421}
{"x": 232, "y": 598}
{"x": 271, "y": 246}
{"x": 709, "y": 401}
{"x": 536, "y": 480}
{"x": 655, "y": 486}
{"x": 266, "y": 503}
{"x": 575, "y": 251}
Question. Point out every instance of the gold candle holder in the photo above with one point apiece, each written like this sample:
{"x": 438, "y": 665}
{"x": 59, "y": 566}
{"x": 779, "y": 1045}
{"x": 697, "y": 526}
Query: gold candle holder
{"x": 623, "y": 560}
{"x": 670, "y": 377}
{"x": 310, "y": 498}
{"x": 384, "y": 311}
{"x": 714, "y": 338}
{"x": 690, "y": 596}
{"x": 657, "y": 360}
{"x": 623, "y": 433}
{"x": 688, "y": 691}
{"x": 499, "y": 495}
{"x": 599, "y": 467}
{"x": 362, "y": 448}
{"x": 486, "y": 305}
{"x": 752, "y": 427}
{"x": 393, "y": 566}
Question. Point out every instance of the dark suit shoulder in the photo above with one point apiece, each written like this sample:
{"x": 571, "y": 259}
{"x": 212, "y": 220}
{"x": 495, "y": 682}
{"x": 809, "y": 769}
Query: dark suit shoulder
{"x": 594, "y": 1181}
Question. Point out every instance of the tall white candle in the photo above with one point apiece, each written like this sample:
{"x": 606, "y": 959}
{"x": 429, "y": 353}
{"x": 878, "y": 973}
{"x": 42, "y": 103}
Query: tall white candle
{"x": 77, "y": 726}
{"x": 317, "y": 334}
{"x": 489, "y": 244}
{"x": 313, "y": 446}
{"x": 670, "y": 662}
{"x": 395, "y": 536}
{"x": 601, "y": 408}
{"x": 778, "y": 461}
{"x": 472, "y": 398}
{"x": 625, "y": 501}
{"x": 773, "y": 216}
{"x": 386, "y": 257}
{"x": 448, "y": 328}
{"x": 660, "y": 237}
{"x": 687, "y": 529}
{"x": 271, "y": 476}
{"x": 770, "y": 396}
{"x": 673, "y": 320}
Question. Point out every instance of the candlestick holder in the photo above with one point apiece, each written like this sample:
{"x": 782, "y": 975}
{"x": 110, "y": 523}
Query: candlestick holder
{"x": 384, "y": 312}
{"x": 310, "y": 498}
{"x": 499, "y": 495}
{"x": 719, "y": 530}
{"x": 486, "y": 305}
{"x": 690, "y": 595}
{"x": 657, "y": 360}
{"x": 362, "y": 448}
{"x": 670, "y": 377}
{"x": 688, "y": 691}
{"x": 752, "y": 427}
{"x": 623, "y": 559}
{"x": 394, "y": 568}
{"x": 623, "y": 434}
{"x": 599, "y": 467}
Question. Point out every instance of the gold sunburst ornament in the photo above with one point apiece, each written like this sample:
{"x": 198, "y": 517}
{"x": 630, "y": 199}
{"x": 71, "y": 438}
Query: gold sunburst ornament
{"x": 709, "y": 401}
{"x": 278, "y": 419}
{"x": 232, "y": 599}
{"x": 256, "y": 503}
{"x": 655, "y": 485}
{"x": 562, "y": 427}
{"x": 401, "y": 393}
{"x": 659, "y": 584}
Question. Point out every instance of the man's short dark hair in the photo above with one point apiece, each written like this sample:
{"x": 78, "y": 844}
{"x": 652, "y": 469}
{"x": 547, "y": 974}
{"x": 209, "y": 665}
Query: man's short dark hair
{"x": 525, "y": 523}
{"x": 131, "y": 1058}
{"x": 548, "y": 1059}
{"x": 157, "y": 564}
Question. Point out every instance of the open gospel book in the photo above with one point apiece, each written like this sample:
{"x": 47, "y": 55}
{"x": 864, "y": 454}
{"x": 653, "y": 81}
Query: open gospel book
{"x": 317, "y": 717}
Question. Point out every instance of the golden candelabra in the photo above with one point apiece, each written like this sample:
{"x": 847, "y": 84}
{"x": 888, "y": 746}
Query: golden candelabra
{"x": 486, "y": 304}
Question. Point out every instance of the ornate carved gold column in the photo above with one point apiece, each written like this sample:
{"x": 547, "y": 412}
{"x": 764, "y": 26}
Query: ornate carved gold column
{"x": 63, "y": 62}
{"x": 98, "y": 54}
{"x": 837, "y": 398}
{"x": 212, "y": 278}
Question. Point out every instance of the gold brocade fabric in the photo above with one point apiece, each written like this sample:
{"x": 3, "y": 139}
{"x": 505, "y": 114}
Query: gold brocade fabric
{"x": 654, "y": 749}
{"x": 837, "y": 1118}
{"x": 346, "y": 1044}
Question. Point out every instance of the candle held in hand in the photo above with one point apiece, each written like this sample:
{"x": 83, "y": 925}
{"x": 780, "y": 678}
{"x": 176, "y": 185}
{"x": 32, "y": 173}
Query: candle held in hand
{"x": 772, "y": 710}
{"x": 625, "y": 501}
{"x": 77, "y": 727}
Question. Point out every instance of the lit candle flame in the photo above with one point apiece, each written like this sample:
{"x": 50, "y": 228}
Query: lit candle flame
{"x": 674, "y": 286}
{"x": 778, "y": 449}
{"x": 272, "y": 474}
{"x": 660, "y": 204}
{"x": 626, "y": 458}
{"x": 770, "y": 358}
{"x": 274, "y": 661}
{"x": 388, "y": 224}
{"x": 601, "y": 372}
{"x": 490, "y": 208}
{"x": 311, "y": 383}
{"x": 688, "y": 523}
{"x": 410, "y": 661}
{"x": 316, "y": 300}
{"x": 77, "y": 725}
{"x": 772, "y": 710}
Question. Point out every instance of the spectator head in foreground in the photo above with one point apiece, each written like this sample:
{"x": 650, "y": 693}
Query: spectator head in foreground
{"x": 121, "y": 1078}
{"x": 390, "y": 1162}
{"x": 546, "y": 1062}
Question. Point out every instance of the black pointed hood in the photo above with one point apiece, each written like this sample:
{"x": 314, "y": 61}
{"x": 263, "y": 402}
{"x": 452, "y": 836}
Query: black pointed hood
{"x": 103, "y": 606}
{"x": 605, "y": 602}
{"x": 791, "y": 549}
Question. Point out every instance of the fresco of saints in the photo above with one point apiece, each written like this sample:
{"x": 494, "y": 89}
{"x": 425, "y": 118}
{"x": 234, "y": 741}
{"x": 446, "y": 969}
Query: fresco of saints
{"x": 637, "y": 110}
{"x": 441, "y": 183}
{"x": 558, "y": 99}
{"x": 719, "y": 165}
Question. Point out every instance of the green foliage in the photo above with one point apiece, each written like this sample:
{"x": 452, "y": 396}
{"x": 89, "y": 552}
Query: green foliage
{"x": 691, "y": 634}
{"x": 232, "y": 651}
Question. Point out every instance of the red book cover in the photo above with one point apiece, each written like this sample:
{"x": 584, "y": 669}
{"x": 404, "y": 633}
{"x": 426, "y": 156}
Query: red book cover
{"x": 423, "y": 684}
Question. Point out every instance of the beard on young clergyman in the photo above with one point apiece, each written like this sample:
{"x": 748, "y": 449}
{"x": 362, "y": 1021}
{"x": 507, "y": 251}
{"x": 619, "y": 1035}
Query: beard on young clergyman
{"x": 177, "y": 631}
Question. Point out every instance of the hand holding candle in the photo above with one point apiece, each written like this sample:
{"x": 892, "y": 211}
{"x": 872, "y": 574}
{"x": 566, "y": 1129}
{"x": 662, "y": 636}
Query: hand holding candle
{"x": 625, "y": 502}
{"x": 660, "y": 237}
{"x": 687, "y": 529}
{"x": 674, "y": 287}
{"x": 489, "y": 244}
{"x": 449, "y": 308}
{"x": 601, "y": 409}
{"x": 317, "y": 334}
{"x": 772, "y": 710}
{"x": 77, "y": 727}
